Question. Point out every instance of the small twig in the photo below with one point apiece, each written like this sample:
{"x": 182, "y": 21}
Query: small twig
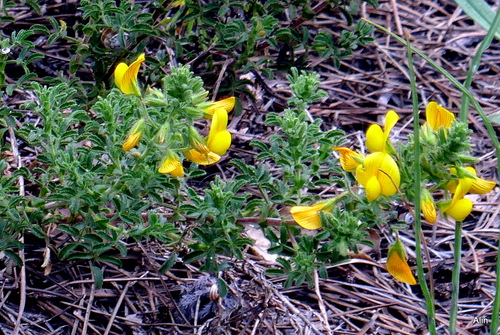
{"x": 321, "y": 303}
{"x": 219, "y": 79}
{"x": 89, "y": 307}
{"x": 117, "y": 307}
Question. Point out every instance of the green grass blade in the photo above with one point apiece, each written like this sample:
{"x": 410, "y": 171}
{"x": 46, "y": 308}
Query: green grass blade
{"x": 480, "y": 12}
{"x": 429, "y": 300}
{"x": 485, "y": 44}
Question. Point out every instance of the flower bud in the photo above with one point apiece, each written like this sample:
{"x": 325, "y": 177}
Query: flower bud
{"x": 134, "y": 136}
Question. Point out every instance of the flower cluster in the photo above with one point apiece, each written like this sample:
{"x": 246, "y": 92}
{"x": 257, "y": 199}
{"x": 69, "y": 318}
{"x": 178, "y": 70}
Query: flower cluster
{"x": 460, "y": 180}
{"x": 176, "y": 137}
{"x": 378, "y": 172}
{"x": 445, "y": 154}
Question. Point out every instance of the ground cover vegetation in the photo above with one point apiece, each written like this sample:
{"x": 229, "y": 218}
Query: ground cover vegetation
{"x": 250, "y": 167}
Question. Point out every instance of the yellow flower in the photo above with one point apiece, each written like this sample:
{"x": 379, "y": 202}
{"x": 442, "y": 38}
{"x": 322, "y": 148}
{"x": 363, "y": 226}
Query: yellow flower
{"x": 478, "y": 186}
{"x": 202, "y": 159}
{"x": 379, "y": 174}
{"x": 308, "y": 216}
{"x": 468, "y": 182}
{"x": 349, "y": 160}
{"x": 227, "y": 104}
{"x": 126, "y": 76}
{"x": 172, "y": 165}
{"x": 428, "y": 206}
{"x": 219, "y": 138}
{"x": 134, "y": 136}
{"x": 459, "y": 208}
{"x": 376, "y": 138}
{"x": 438, "y": 116}
{"x": 397, "y": 264}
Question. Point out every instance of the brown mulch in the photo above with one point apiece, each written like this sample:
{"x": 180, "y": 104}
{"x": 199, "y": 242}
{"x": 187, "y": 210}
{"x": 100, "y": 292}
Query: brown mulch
{"x": 359, "y": 297}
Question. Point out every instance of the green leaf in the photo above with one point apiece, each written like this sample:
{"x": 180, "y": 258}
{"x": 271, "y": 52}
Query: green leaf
{"x": 168, "y": 263}
{"x": 15, "y": 257}
{"x": 495, "y": 118}
{"x": 275, "y": 272}
{"x": 222, "y": 287}
{"x": 193, "y": 256}
{"x": 98, "y": 277}
{"x": 67, "y": 250}
{"x": 480, "y": 12}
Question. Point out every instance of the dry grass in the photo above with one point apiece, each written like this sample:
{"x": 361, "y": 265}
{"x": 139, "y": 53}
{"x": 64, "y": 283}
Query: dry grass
{"x": 359, "y": 297}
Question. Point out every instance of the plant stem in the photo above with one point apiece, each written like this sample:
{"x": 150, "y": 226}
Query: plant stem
{"x": 455, "y": 277}
{"x": 429, "y": 301}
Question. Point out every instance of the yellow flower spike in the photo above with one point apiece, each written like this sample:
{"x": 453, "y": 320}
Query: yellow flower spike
{"x": 134, "y": 135}
{"x": 428, "y": 206}
{"x": 219, "y": 138}
{"x": 349, "y": 160}
{"x": 172, "y": 165}
{"x": 379, "y": 174}
{"x": 376, "y": 138}
{"x": 438, "y": 116}
{"x": 397, "y": 264}
{"x": 227, "y": 104}
{"x": 126, "y": 76}
{"x": 308, "y": 216}
{"x": 202, "y": 159}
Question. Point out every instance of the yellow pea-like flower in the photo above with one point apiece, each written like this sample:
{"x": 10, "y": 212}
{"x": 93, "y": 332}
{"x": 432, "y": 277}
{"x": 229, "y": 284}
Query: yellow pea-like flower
{"x": 134, "y": 135}
{"x": 397, "y": 264}
{"x": 126, "y": 76}
{"x": 438, "y": 116}
{"x": 308, "y": 216}
{"x": 379, "y": 174}
{"x": 172, "y": 165}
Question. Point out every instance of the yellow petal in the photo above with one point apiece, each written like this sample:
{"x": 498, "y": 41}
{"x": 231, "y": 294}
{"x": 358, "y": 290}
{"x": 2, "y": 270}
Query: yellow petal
{"x": 398, "y": 266}
{"x": 120, "y": 70}
{"x": 429, "y": 212}
{"x": 388, "y": 175}
{"x": 220, "y": 143}
{"x": 482, "y": 186}
{"x": 131, "y": 141}
{"x": 172, "y": 166}
{"x": 349, "y": 160}
{"x": 227, "y": 104}
{"x": 438, "y": 116}
{"x": 373, "y": 189}
{"x": 459, "y": 209}
{"x": 219, "y": 123}
{"x": 202, "y": 159}
{"x": 375, "y": 139}
{"x": 390, "y": 121}
{"x": 383, "y": 167}
{"x": 307, "y": 216}
{"x": 126, "y": 76}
